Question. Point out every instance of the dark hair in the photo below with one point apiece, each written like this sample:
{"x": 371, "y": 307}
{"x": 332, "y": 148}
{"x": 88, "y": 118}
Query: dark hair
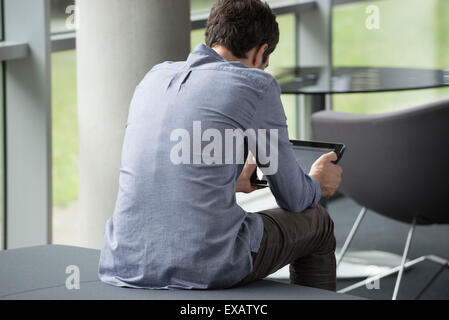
{"x": 241, "y": 25}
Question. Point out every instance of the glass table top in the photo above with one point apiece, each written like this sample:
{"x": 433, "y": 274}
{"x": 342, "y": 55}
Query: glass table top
{"x": 326, "y": 80}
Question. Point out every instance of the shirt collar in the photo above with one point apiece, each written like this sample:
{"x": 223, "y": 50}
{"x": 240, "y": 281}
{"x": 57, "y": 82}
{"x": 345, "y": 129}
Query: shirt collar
{"x": 202, "y": 49}
{"x": 203, "y": 54}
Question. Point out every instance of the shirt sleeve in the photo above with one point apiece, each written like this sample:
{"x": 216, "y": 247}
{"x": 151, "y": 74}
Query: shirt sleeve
{"x": 293, "y": 189}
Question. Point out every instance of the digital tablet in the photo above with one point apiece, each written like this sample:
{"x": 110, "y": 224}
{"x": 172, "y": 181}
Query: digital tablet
{"x": 306, "y": 152}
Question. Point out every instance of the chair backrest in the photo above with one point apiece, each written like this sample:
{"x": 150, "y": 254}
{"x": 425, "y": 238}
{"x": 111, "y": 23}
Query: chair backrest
{"x": 396, "y": 164}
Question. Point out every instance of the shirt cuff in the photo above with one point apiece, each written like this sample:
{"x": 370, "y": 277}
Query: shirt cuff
{"x": 317, "y": 189}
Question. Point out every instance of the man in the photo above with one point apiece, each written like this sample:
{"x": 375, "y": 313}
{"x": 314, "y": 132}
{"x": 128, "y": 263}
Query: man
{"x": 176, "y": 223}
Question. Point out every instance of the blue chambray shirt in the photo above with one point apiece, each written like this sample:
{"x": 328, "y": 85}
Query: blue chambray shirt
{"x": 178, "y": 225}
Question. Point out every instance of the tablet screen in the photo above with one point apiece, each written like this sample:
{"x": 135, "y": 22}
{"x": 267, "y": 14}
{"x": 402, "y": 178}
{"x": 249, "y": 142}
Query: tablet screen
{"x": 306, "y": 153}
{"x": 306, "y": 156}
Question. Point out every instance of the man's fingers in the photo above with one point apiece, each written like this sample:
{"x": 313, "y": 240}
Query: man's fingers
{"x": 250, "y": 167}
{"x": 331, "y": 156}
{"x": 328, "y": 157}
{"x": 250, "y": 164}
{"x": 250, "y": 159}
{"x": 248, "y": 170}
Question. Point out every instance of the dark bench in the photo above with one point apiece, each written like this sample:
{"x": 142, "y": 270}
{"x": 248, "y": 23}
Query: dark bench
{"x": 40, "y": 273}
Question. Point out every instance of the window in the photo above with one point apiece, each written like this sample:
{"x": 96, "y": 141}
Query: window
{"x": 199, "y": 5}
{"x": 284, "y": 56}
{"x": 64, "y": 130}
{"x": 64, "y": 146}
{"x": 417, "y": 37}
{"x": 2, "y": 162}
{"x": 2, "y": 145}
{"x": 60, "y": 10}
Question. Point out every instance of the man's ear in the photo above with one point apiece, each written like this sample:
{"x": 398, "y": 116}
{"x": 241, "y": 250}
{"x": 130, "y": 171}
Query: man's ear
{"x": 258, "y": 57}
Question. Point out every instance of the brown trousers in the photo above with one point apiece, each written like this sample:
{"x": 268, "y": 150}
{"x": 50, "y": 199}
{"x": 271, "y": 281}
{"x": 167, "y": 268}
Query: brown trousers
{"x": 304, "y": 240}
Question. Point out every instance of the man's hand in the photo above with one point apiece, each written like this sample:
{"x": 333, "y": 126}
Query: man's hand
{"x": 327, "y": 174}
{"x": 243, "y": 183}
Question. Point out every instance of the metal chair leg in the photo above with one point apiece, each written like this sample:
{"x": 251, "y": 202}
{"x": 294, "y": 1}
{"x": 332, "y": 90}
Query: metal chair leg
{"x": 351, "y": 235}
{"x": 404, "y": 258}
{"x": 380, "y": 275}
{"x": 430, "y": 258}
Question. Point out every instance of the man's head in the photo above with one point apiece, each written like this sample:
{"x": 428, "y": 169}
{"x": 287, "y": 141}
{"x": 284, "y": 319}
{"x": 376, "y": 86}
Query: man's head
{"x": 246, "y": 28}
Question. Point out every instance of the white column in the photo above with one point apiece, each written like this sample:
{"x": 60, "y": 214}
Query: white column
{"x": 118, "y": 41}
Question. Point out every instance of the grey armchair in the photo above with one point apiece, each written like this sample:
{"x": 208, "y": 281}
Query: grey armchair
{"x": 396, "y": 164}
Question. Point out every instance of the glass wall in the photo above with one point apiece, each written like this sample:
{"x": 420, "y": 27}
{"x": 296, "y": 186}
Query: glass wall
{"x": 200, "y": 5}
{"x": 2, "y": 145}
{"x": 411, "y": 33}
{"x": 64, "y": 147}
{"x": 61, "y": 12}
{"x": 64, "y": 130}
